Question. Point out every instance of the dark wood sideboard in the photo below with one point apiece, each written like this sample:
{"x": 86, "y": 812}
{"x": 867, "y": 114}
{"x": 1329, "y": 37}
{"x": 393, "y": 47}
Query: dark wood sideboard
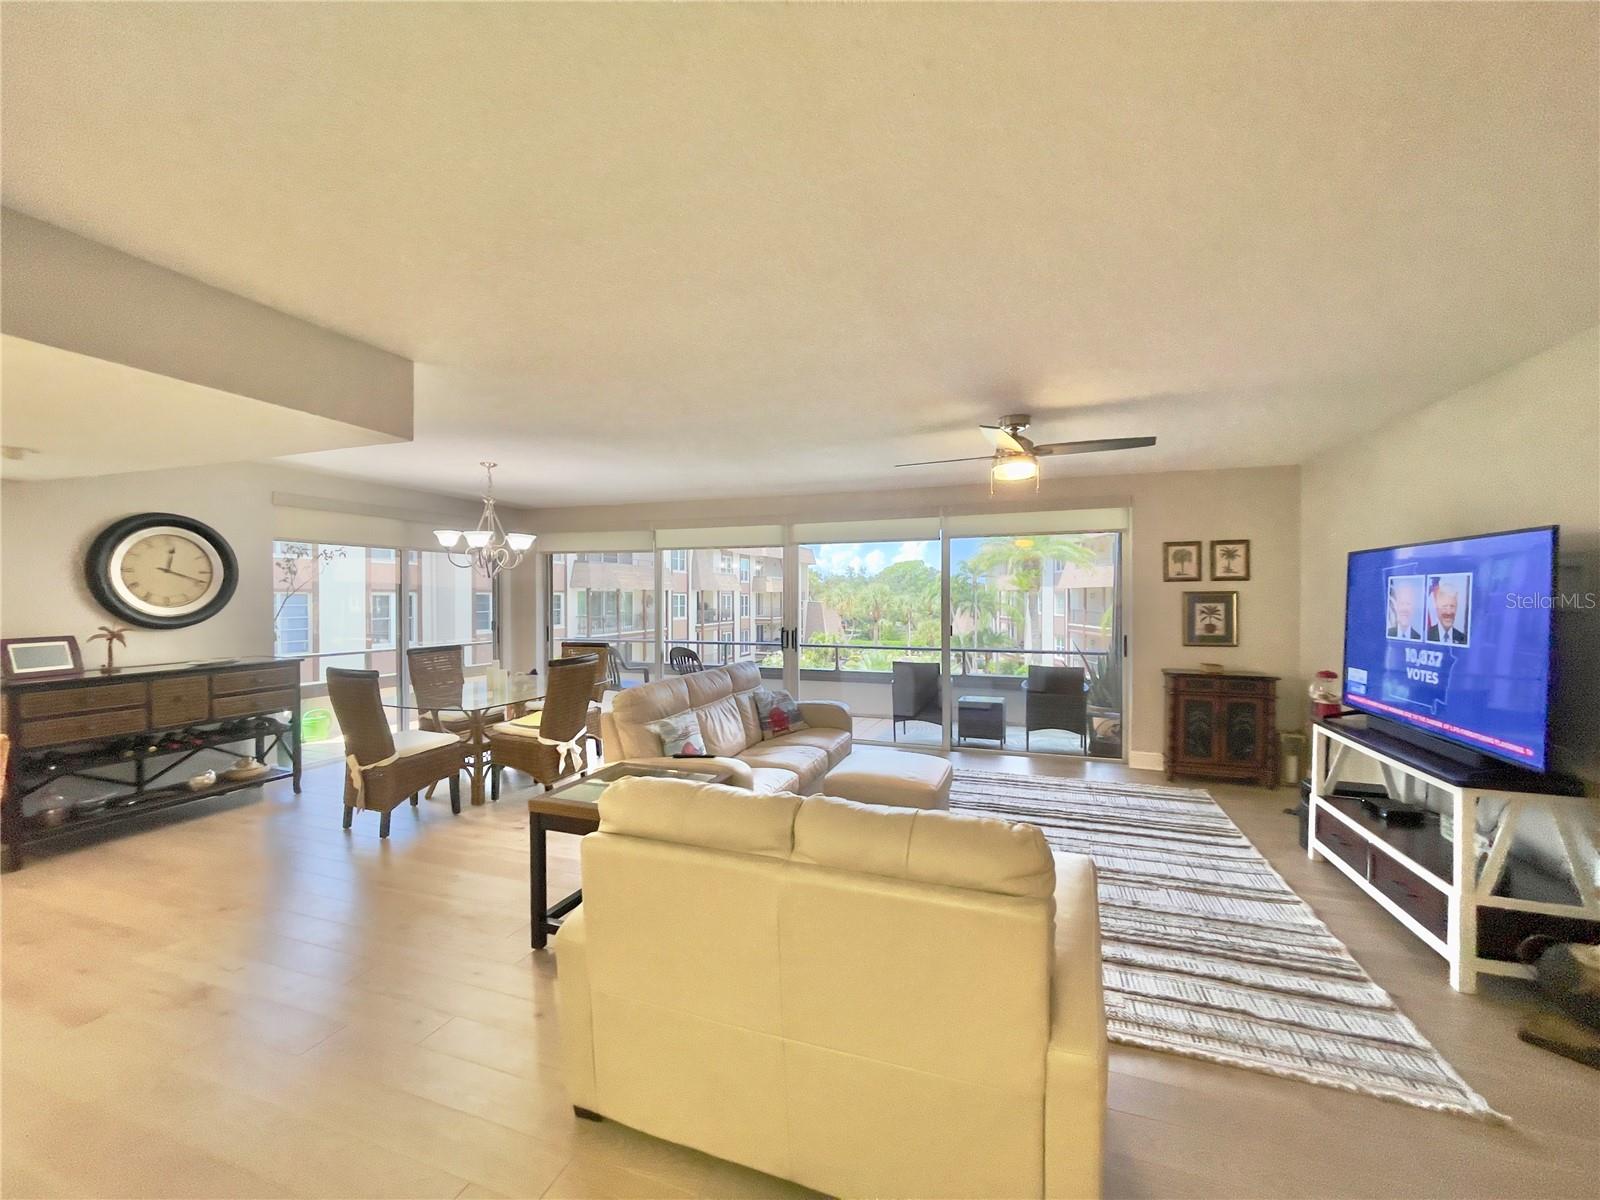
{"x": 133, "y": 731}
{"x": 1222, "y": 725}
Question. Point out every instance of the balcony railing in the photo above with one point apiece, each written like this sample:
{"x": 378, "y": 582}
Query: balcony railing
{"x": 963, "y": 658}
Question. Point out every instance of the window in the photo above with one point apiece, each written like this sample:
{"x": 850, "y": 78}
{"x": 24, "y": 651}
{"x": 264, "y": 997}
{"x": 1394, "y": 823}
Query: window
{"x": 293, "y": 625}
{"x": 724, "y": 606}
{"x": 1061, "y": 604}
{"x": 677, "y": 560}
{"x": 680, "y": 606}
{"x": 380, "y": 556}
{"x": 482, "y": 616}
{"x": 744, "y": 568}
{"x": 411, "y": 618}
{"x": 744, "y": 602}
{"x": 724, "y": 562}
{"x": 558, "y": 604}
{"x": 380, "y": 634}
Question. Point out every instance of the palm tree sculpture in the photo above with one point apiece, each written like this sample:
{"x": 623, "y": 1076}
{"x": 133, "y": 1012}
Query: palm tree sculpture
{"x": 113, "y": 637}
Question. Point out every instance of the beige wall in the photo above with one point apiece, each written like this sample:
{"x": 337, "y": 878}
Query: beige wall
{"x": 46, "y": 528}
{"x": 1520, "y": 448}
{"x": 1260, "y": 504}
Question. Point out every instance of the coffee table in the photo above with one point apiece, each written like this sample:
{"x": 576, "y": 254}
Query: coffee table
{"x": 575, "y": 808}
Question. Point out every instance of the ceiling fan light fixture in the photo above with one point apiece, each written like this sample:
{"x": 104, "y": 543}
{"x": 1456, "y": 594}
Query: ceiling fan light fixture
{"x": 1010, "y": 468}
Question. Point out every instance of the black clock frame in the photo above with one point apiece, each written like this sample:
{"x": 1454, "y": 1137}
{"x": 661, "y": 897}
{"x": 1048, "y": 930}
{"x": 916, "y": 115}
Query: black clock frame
{"x": 97, "y": 569}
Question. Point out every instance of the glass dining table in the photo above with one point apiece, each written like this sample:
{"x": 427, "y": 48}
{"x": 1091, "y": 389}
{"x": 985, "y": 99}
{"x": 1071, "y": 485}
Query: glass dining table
{"x": 469, "y": 708}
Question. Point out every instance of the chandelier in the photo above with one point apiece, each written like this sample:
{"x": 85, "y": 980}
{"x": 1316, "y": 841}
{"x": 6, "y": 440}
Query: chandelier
{"x": 489, "y": 547}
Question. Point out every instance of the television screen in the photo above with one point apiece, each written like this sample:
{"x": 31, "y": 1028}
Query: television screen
{"x": 1455, "y": 639}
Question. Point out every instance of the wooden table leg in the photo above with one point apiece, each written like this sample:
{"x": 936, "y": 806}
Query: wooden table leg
{"x": 479, "y": 744}
{"x": 537, "y": 883}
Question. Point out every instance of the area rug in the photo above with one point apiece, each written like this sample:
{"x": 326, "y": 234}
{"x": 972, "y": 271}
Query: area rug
{"x": 1209, "y": 953}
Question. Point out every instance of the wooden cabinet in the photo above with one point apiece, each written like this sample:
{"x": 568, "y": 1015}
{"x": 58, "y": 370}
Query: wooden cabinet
{"x": 136, "y": 730}
{"x": 1222, "y": 725}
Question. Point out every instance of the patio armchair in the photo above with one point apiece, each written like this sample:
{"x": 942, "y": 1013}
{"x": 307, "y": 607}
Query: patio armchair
{"x": 383, "y": 767}
{"x": 916, "y": 694}
{"x": 1055, "y": 700}
{"x": 684, "y": 661}
{"x": 609, "y": 678}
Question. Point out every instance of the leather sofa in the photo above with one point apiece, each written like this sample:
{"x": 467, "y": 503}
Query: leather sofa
{"x": 723, "y": 701}
{"x": 868, "y": 1001}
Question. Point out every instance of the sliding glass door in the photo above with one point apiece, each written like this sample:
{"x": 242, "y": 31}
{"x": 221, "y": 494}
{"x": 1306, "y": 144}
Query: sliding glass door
{"x": 1036, "y": 643}
{"x": 725, "y": 604}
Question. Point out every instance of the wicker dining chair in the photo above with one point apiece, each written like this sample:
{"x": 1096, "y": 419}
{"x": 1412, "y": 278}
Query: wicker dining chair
{"x": 549, "y": 745}
{"x": 438, "y": 673}
{"x": 384, "y": 768}
{"x": 684, "y": 661}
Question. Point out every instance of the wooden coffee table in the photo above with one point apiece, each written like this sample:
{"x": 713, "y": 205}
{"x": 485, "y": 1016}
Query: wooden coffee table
{"x": 575, "y": 808}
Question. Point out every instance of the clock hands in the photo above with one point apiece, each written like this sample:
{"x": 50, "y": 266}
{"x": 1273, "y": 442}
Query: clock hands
{"x": 181, "y": 575}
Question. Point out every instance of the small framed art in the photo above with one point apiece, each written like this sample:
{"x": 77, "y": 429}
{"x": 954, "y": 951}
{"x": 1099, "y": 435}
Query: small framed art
{"x": 1230, "y": 560}
{"x": 1211, "y": 618}
{"x": 1180, "y": 562}
{"x": 26, "y": 657}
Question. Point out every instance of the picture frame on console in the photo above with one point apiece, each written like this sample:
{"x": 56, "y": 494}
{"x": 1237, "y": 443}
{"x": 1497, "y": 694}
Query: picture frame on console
{"x": 36, "y": 657}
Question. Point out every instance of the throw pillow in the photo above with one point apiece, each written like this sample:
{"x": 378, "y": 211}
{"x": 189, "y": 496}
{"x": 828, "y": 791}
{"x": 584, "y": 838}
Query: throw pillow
{"x": 679, "y": 734}
{"x": 778, "y": 712}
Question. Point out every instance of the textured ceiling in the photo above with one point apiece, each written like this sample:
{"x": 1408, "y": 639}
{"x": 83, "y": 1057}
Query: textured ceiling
{"x": 668, "y": 251}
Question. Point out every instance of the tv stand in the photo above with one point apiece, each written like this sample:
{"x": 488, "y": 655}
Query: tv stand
{"x": 1433, "y": 886}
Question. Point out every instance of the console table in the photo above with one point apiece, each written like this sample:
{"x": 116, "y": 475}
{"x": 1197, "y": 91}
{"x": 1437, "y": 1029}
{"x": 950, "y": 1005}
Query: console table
{"x": 1434, "y": 886}
{"x": 133, "y": 729}
{"x": 1222, "y": 725}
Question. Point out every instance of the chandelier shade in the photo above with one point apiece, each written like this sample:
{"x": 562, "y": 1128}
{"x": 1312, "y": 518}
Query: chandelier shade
{"x": 488, "y": 547}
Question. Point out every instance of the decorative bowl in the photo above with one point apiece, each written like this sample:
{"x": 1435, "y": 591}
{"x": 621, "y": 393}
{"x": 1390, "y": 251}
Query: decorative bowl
{"x": 200, "y": 782}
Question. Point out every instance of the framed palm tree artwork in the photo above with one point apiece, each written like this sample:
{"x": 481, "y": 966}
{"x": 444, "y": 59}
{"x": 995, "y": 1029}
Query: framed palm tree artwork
{"x": 1230, "y": 560}
{"x": 1180, "y": 562}
{"x": 1211, "y": 618}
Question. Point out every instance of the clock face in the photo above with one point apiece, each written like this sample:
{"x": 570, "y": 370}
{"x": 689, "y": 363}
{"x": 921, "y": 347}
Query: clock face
{"x": 160, "y": 570}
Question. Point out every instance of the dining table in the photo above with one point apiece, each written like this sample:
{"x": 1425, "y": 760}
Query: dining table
{"x": 483, "y": 700}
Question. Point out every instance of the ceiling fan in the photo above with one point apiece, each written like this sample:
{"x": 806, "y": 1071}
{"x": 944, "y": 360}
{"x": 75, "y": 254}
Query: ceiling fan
{"x": 1015, "y": 457}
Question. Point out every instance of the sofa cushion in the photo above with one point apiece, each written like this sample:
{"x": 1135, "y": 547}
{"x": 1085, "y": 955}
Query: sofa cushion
{"x": 699, "y": 814}
{"x": 931, "y": 847}
{"x": 808, "y": 763}
{"x": 634, "y": 708}
{"x": 833, "y": 742}
{"x": 778, "y": 712}
{"x": 773, "y": 779}
{"x": 883, "y": 775}
{"x": 679, "y": 734}
{"x": 723, "y": 726}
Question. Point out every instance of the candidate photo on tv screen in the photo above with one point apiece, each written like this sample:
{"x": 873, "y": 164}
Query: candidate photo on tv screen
{"x": 1455, "y": 639}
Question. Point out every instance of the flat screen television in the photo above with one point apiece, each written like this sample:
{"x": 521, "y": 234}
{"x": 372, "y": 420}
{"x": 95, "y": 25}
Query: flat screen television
{"x": 1455, "y": 641}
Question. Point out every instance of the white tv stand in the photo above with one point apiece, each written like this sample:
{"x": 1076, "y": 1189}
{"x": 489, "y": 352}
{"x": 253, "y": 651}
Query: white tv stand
{"x": 1434, "y": 887}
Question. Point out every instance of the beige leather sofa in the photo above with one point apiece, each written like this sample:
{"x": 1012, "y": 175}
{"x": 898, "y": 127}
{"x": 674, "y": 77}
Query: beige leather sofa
{"x": 869, "y": 1001}
{"x": 723, "y": 700}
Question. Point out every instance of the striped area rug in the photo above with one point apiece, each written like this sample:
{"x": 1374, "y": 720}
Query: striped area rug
{"x": 1209, "y": 953}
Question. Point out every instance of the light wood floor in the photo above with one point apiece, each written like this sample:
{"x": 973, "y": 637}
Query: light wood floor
{"x": 242, "y": 1000}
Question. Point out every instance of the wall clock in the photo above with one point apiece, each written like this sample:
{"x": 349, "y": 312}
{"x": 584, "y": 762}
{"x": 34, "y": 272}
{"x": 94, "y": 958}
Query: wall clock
{"x": 161, "y": 571}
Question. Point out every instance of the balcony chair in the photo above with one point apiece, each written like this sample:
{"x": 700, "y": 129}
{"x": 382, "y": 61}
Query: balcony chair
{"x": 549, "y": 744}
{"x": 1056, "y": 700}
{"x": 610, "y": 677}
{"x": 916, "y": 694}
{"x": 684, "y": 661}
{"x": 383, "y": 768}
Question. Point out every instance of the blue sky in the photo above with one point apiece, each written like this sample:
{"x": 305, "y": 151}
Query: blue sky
{"x": 872, "y": 557}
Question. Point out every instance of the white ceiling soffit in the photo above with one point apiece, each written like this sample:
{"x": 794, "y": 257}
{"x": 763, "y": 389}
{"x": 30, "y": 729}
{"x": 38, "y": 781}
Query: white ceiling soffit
{"x": 66, "y": 415}
{"x": 670, "y": 251}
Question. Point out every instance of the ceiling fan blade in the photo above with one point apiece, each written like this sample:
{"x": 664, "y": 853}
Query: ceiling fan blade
{"x": 1001, "y": 440}
{"x": 934, "y": 462}
{"x": 1092, "y": 445}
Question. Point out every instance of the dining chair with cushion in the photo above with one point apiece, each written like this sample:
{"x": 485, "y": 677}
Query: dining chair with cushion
{"x": 684, "y": 661}
{"x": 384, "y": 768}
{"x": 549, "y": 744}
{"x": 438, "y": 673}
{"x": 1055, "y": 700}
{"x": 916, "y": 694}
